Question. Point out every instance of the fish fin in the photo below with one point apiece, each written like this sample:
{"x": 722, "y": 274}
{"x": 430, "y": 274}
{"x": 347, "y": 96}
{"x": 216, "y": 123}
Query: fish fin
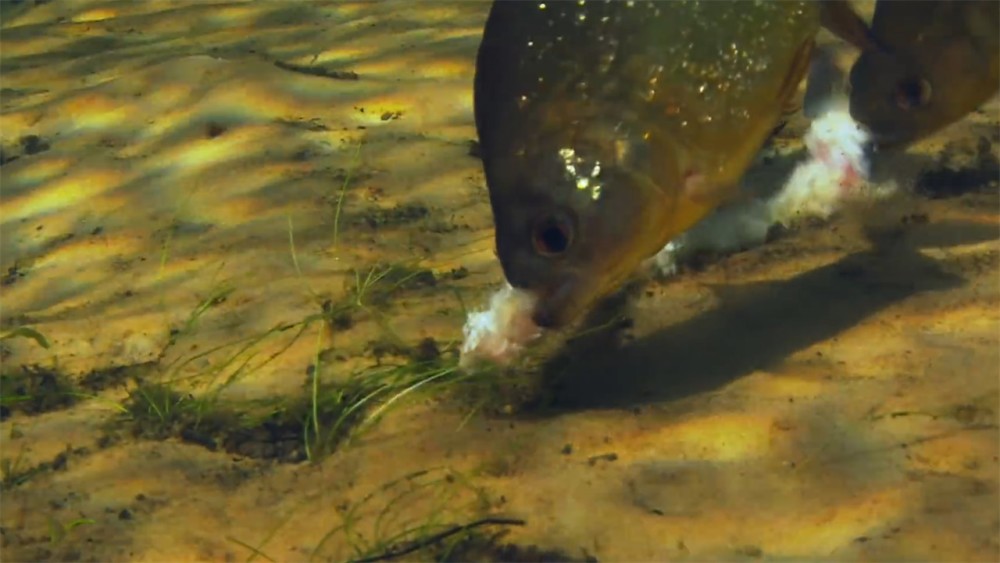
{"x": 840, "y": 19}
{"x": 797, "y": 70}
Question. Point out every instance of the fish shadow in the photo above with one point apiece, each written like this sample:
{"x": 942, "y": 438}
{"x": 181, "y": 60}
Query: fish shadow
{"x": 754, "y": 326}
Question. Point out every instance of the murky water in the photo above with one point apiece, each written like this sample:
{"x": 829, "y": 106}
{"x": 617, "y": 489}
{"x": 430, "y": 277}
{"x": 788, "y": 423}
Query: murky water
{"x": 251, "y": 280}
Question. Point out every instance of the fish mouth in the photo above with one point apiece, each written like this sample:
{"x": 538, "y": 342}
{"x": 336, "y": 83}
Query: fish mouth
{"x": 560, "y": 303}
{"x": 882, "y": 134}
{"x": 889, "y": 142}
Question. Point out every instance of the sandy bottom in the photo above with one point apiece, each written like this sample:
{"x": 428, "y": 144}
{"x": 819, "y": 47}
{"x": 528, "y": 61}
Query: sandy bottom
{"x": 172, "y": 198}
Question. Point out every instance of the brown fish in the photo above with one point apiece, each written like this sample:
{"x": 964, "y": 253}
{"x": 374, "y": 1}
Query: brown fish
{"x": 608, "y": 128}
{"x": 940, "y": 61}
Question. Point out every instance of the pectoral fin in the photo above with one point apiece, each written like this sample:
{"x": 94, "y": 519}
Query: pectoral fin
{"x": 840, "y": 19}
{"x": 796, "y": 71}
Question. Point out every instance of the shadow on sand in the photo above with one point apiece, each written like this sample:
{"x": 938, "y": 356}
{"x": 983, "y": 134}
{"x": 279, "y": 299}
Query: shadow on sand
{"x": 755, "y": 325}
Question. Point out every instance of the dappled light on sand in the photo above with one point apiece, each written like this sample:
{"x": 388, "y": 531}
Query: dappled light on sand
{"x": 248, "y": 235}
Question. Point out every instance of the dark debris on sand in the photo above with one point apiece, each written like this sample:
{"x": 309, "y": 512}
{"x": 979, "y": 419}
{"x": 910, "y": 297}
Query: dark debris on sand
{"x": 34, "y": 390}
{"x": 950, "y": 180}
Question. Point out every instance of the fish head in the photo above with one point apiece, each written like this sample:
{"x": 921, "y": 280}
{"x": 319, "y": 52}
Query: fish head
{"x": 934, "y": 69}
{"x": 575, "y": 217}
{"x": 901, "y": 100}
{"x": 893, "y": 98}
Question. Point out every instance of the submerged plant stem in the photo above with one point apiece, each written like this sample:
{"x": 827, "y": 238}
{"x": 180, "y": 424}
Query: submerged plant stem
{"x": 343, "y": 192}
{"x": 315, "y": 384}
{"x": 432, "y": 539}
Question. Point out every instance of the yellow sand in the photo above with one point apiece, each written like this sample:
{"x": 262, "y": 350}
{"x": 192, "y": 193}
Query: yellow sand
{"x": 750, "y": 417}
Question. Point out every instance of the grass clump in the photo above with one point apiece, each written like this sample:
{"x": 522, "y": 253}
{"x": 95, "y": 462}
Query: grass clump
{"x": 307, "y": 426}
{"x": 312, "y": 425}
{"x": 421, "y": 516}
{"x": 434, "y": 514}
{"x": 430, "y": 515}
{"x": 158, "y": 411}
{"x": 370, "y": 293}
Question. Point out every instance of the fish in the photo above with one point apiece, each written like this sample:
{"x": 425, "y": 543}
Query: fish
{"x": 608, "y": 128}
{"x": 938, "y": 62}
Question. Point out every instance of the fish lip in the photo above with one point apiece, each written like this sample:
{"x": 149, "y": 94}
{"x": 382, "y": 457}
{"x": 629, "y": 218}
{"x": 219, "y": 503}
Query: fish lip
{"x": 891, "y": 142}
{"x": 556, "y": 305}
{"x": 881, "y": 140}
{"x": 543, "y": 318}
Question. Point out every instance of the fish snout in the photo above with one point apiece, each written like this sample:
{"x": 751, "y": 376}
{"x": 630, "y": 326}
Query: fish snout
{"x": 559, "y": 303}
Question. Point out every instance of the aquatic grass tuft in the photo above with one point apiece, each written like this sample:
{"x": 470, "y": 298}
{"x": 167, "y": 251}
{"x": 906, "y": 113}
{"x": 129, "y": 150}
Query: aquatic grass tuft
{"x": 307, "y": 426}
{"x": 340, "y": 411}
{"x": 341, "y": 407}
{"x": 434, "y": 514}
{"x": 423, "y": 514}
{"x": 190, "y": 406}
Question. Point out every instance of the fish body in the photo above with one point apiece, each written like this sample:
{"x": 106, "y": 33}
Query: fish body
{"x": 608, "y": 128}
{"x": 939, "y": 61}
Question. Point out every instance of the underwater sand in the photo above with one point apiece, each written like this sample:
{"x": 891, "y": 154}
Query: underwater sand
{"x": 814, "y": 398}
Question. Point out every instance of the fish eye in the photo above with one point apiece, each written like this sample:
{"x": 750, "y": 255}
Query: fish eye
{"x": 552, "y": 235}
{"x": 912, "y": 93}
